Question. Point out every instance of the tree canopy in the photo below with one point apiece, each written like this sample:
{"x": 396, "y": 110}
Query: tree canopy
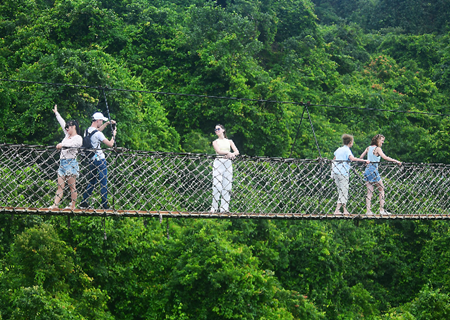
{"x": 361, "y": 67}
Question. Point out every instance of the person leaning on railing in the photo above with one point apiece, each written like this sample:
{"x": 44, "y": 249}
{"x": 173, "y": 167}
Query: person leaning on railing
{"x": 68, "y": 164}
{"x": 97, "y": 164}
{"x": 222, "y": 169}
{"x": 371, "y": 174}
{"x": 341, "y": 169}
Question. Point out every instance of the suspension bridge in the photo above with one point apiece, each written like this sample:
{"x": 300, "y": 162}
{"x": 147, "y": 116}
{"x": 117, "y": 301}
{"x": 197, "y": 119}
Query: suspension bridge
{"x": 164, "y": 184}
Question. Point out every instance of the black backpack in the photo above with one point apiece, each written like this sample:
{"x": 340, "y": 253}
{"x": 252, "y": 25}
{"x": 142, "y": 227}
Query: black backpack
{"x": 87, "y": 144}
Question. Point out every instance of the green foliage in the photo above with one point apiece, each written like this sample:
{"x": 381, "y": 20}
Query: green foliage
{"x": 40, "y": 279}
{"x": 384, "y": 55}
{"x": 428, "y": 305}
{"x": 411, "y": 16}
{"x": 196, "y": 142}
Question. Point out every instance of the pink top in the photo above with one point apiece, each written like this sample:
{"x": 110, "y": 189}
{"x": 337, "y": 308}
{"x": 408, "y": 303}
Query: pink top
{"x": 74, "y": 142}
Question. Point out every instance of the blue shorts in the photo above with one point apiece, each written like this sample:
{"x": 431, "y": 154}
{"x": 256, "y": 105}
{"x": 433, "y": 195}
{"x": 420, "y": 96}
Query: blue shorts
{"x": 68, "y": 167}
{"x": 371, "y": 174}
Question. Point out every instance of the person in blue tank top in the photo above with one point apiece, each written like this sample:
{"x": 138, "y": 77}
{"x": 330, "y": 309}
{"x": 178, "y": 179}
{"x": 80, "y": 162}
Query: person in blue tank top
{"x": 371, "y": 174}
{"x": 340, "y": 171}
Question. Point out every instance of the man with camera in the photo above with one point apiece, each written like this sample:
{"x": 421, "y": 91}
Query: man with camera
{"x": 97, "y": 162}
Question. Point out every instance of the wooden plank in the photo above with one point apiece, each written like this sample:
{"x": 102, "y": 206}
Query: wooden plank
{"x": 181, "y": 214}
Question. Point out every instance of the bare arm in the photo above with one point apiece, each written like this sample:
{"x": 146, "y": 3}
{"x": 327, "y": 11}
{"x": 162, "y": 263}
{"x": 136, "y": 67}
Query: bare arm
{"x": 352, "y": 158}
{"x": 234, "y": 148}
{"x": 364, "y": 153}
{"x": 385, "y": 157}
{"x": 110, "y": 143}
{"x": 103, "y": 126}
{"x": 60, "y": 119}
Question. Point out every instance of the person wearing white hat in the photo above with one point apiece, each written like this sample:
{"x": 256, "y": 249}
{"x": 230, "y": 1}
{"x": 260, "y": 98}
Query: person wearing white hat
{"x": 98, "y": 165}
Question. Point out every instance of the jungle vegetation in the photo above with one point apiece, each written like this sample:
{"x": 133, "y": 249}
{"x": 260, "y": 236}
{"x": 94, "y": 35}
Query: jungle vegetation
{"x": 365, "y": 67}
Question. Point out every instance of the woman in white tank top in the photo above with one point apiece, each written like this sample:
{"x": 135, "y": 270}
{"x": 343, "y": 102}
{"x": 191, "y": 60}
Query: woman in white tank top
{"x": 371, "y": 174}
{"x": 222, "y": 170}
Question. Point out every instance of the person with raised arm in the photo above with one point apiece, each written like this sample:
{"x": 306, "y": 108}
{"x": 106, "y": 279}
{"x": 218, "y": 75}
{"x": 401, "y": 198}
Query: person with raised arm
{"x": 222, "y": 169}
{"x": 68, "y": 164}
{"x": 371, "y": 174}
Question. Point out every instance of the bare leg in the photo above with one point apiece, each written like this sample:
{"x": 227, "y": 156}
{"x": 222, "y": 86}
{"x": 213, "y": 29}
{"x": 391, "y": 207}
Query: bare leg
{"x": 344, "y": 206}
{"x": 381, "y": 189}
{"x": 73, "y": 191}
{"x": 369, "y": 197}
{"x": 338, "y": 208}
{"x": 59, "y": 192}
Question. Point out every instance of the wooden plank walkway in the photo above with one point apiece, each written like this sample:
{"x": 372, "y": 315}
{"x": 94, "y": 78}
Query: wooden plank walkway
{"x": 205, "y": 215}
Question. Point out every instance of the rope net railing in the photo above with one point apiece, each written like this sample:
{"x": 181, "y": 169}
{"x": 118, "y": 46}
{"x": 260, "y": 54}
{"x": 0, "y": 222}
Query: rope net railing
{"x": 177, "y": 184}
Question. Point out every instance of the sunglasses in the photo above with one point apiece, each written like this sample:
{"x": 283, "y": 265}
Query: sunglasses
{"x": 217, "y": 129}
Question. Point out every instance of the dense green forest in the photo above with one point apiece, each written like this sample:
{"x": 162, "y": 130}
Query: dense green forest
{"x": 367, "y": 56}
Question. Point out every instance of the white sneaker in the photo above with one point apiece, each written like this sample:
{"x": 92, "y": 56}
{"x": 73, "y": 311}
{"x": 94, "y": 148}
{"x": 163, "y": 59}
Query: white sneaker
{"x": 385, "y": 212}
{"x": 370, "y": 213}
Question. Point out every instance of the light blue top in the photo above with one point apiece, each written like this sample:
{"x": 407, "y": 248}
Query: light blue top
{"x": 371, "y": 157}
{"x": 342, "y": 168}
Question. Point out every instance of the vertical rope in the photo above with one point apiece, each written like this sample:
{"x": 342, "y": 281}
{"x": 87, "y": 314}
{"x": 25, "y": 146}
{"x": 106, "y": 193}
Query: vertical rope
{"x": 109, "y": 115}
{"x": 113, "y": 180}
{"x": 312, "y": 128}
{"x": 298, "y": 130}
{"x": 168, "y": 237}
{"x": 104, "y": 228}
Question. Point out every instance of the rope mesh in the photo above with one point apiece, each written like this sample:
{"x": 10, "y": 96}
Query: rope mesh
{"x": 141, "y": 183}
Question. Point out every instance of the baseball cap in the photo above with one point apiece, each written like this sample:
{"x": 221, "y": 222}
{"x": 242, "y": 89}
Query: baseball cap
{"x": 99, "y": 116}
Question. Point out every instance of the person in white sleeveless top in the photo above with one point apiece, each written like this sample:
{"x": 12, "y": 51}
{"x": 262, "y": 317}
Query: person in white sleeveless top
{"x": 371, "y": 174}
{"x": 222, "y": 170}
{"x": 68, "y": 165}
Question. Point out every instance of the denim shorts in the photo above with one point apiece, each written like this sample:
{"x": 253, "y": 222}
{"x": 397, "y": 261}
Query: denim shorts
{"x": 371, "y": 173}
{"x": 68, "y": 167}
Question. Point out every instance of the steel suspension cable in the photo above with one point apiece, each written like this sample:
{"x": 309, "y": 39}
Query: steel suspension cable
{"x": 298, "y": 131}
{"x": 312, "y": 128}
{"x": 230, "y": 98}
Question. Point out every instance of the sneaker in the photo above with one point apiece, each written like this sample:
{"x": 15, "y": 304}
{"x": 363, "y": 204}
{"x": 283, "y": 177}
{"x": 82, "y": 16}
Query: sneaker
{"x": 385, "y": 212}
{"x": 370, "y": 213}
{"x": 338, "y": 212}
